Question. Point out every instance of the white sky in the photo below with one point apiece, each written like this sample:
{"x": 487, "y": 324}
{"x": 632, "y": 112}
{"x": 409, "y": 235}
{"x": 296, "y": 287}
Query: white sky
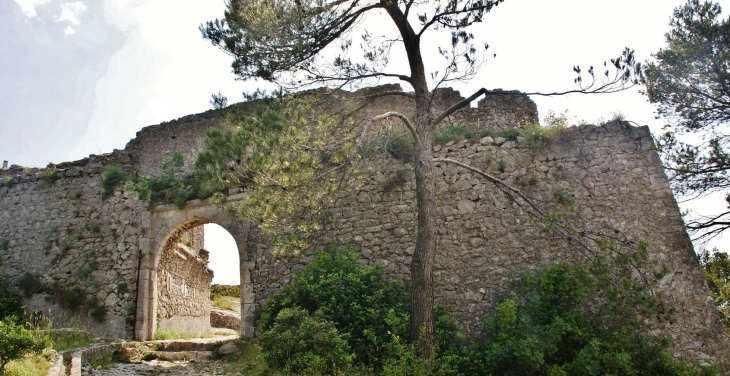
{"x": 223, "y": 255}
{"x": 82, "y": 77}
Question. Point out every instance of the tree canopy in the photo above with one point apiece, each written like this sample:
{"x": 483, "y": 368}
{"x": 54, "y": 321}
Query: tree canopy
{"x": 286, "y": 42}
{"x": 690, "y": 84}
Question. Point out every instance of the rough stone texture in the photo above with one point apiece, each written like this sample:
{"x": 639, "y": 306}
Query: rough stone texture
{"x": 183, "y": 285}
{"x": 51, "y": 229}
{"x": 501, "y": 109}
{"x": 228, "y": 349}
{"x": 220, "y": 318}
{"x": 617, "y": 182}
{"x": 613, "y": 171}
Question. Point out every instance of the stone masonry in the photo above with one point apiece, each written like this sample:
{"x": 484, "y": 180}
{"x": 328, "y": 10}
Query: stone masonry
{"x": 611, "y": 174}
{"x": 183, "y": 286}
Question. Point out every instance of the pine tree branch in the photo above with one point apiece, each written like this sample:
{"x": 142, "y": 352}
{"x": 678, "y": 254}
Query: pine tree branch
{"x": 387, "y": 115}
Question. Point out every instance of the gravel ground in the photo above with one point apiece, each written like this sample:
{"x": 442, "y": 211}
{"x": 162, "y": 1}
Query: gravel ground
{"x": 161, "y": 367}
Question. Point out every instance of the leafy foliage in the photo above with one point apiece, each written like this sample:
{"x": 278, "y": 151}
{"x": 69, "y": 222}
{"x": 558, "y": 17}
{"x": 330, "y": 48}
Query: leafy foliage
{"x": 16, "y": 342}
{"x": 299, "y": 342}
{"x": 510, "y": 134}
{"x": 50, "y": 175}
{"x": 688, "y": 83}
{"x": 9, "y": 301}
{"x": 576, "y": 320}
{"x": 357, "y": 300}
{"x": 218, "y": 101}
{"x": 716, "y": 268}
{"x": 285, "y": 42}
{"x": 453, "y": 134}
{"x": 30, "y": 284}
{"x": 225, "y": 290}
{"x": 401, "y": 147}
{"x": 293, "y": 165}
{"x": 112, "y": 176}
{"x": 536, "y": 136}
{"x": 172, "y": 185}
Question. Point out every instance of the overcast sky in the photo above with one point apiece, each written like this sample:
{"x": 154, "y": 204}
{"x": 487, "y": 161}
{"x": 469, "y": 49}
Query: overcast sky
{"x": 82, "y": 77}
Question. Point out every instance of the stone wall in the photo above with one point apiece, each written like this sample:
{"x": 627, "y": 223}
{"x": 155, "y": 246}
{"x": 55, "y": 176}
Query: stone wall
{"x": 74, "y": 242}
{"x": 614, "y": 180}
{"x": 611, "y": 173}
{"x": 183, "y": 285}
{"x": 501, "y": 109}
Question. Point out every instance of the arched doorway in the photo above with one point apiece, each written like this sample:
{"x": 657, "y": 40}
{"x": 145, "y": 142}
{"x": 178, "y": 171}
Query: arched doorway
{"x": 168, "y": 225}
{"x": 225, "y": 288}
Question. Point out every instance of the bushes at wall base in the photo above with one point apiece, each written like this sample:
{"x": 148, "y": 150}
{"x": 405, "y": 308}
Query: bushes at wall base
{"x": 300, "y": 343}
{"x": 17, "y": 342}
{"x": 357, "y": 300}
{"x": 563, "y": 320}
{"x": 9, "y": 301}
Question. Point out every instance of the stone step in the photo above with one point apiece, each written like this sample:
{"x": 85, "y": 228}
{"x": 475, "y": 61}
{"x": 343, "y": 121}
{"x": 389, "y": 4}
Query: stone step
{"x": 197, "y": 344}
{"x": 181, "y": 355}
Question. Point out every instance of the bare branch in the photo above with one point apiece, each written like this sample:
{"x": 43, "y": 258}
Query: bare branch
{"x": 387, "y": 115}
{"x": 459, "y": 105}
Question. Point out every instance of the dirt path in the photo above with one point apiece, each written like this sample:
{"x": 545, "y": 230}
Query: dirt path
{"x": 196, "y": 367}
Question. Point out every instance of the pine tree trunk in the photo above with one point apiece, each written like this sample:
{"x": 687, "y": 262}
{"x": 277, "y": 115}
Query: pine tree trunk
{"x": 422, "y": 319}
{"x": 425, "y": 253}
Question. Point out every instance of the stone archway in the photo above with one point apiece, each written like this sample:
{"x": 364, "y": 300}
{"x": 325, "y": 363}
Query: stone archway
{"x": 168, "y": 222}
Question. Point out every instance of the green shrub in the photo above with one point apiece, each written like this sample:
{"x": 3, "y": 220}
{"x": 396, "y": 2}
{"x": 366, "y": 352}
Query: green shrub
{"x": 563, "y": 196}
{"x": 121, "y": 288}
{"x": 400, "y": 177}
{"x": 172, "y": 185}
{"x": 94, "y": 227}
{"x": 9, "y": 182}
{"x": 17, "y": 342}
{"x": 617, "y": 116}
{"x": 300, "y": 343}
{"x": 357, "y": 300}
{"x": 9, "y": 301}
{"x": 100, "y": 361}
{"x": 73, "y": 298}
{"x": 501, "y": 164}
{"x": 49, "y": 175}
{"x": 401, "y": 147}
{"x": 536, "y": 136}
{"x": 405, "y": 361}
{"x": 574, "y": 320}
{"x": 98, "y": 314}
{"x": 84, "y": 271}
{"x": 716, "y": 269}
{"x": 510, "y": 134}
{"x": 113, "y": 175}
{"x": 452, "y": 134}
{"x": 233, "y": 291}
{"x": 30, "y": 284}
{"x": 4, "y": 244}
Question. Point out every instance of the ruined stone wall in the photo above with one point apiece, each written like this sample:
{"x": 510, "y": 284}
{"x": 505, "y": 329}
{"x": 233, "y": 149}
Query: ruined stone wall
{"x": 612, "y": 176}
{"x": 501, "y": 109}
{"x": 183, "y": 286}
{"x": 79, "y": 246}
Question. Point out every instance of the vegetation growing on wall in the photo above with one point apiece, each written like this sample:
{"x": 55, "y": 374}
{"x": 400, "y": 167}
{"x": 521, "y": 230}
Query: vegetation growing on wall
{"x": 74, "y": 299}
{"x": 716, "y": 269}
{"x": 50, "y": 175}
{"x": 9, "y": 301}
{"x": 581, "y": 319}
{"x": 113, "y": 176}
{"x": 171, "y": 186}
